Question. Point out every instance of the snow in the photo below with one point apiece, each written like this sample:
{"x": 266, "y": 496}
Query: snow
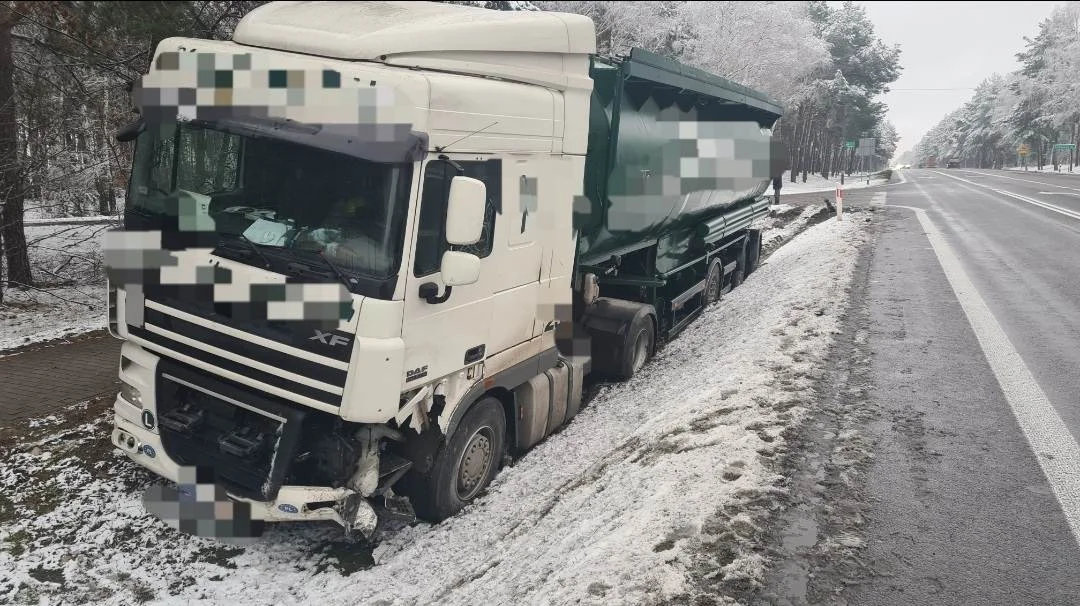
{"x": 1049, "y": 168}
{"x": 816, "y": 183}
{"x": 654, "y": 492}
{"x": 775, "y": 231}
{"x": 70, "y": 298}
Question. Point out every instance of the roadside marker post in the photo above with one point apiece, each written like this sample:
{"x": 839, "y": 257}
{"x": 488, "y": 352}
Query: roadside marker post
{"x": 839, "y": 203}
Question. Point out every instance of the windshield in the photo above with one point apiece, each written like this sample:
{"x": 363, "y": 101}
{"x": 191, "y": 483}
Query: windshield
{"x": 290, "y": 202}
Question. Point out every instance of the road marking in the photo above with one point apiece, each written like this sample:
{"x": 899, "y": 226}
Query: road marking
{"x": 1072, "y": 214}
{"x": 1043, "y": 183}
{"x": 1050, "y": 440}
{"x": 1057, "y": 193}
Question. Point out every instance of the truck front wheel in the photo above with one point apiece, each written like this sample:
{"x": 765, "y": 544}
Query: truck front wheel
{"x": 465, "y": 464}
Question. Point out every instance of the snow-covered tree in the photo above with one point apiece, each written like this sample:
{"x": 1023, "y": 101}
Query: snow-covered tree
{"x": 825, "y": 65}
{"x": 1038, "y": 105}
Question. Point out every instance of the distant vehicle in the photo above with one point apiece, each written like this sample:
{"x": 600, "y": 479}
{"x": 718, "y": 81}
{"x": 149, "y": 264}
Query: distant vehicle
{"x": 952, "y": 164}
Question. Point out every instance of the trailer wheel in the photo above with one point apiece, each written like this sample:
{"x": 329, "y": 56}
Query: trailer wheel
{"x": 713, "y": 282}
{"x": 640, "y": 344}
{"x": 753, "y": 255}
{"x": 465, "y": 464}
{"x": 739, "y": 274}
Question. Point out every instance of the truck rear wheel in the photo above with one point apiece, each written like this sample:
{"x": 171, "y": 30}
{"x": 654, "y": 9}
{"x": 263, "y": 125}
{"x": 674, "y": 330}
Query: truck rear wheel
{"x": 465, "y": 465}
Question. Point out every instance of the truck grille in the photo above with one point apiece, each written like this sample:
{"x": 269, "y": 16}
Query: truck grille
{"x": 248, "y": 440}
{"x": 168, "y": 331}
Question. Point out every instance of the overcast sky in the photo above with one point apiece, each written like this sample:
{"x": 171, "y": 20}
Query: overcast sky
{"x": 948, "y": 45}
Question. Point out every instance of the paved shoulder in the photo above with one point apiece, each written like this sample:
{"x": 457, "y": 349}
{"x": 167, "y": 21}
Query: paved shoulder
{"x": 41, "y": 380}
{"x": 950, "y": 504}
{"x": 962, "y": 513}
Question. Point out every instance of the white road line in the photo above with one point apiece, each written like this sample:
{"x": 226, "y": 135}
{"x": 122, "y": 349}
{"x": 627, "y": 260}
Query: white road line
{"x": 1072, "y": 214}
{"x": 1044, "y": 183}
{"x": 1050, "y": 440}
{"x": 1057, "y": 193}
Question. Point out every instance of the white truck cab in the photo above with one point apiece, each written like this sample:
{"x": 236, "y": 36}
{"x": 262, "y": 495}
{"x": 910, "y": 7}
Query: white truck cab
{"x": 473, "y": 226}
{"x": 362, "y": 254}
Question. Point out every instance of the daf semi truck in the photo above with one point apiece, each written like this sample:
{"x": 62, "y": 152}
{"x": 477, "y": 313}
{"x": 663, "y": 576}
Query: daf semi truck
{"x": 529, "y": 213}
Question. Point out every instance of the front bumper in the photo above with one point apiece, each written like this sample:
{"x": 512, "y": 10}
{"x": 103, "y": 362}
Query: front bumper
{"x": 293, "y": 503}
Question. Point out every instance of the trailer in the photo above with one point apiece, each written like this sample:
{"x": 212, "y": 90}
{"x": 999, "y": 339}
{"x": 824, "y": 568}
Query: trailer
{"x": 372, "y": 249}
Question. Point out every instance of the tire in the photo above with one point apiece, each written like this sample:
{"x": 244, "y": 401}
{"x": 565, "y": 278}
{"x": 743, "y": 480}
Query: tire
{"x": 639, "y": 346}
{"x": 713, "y": 282}
{"x": 753, "y": 252}
{"x": 739, "y": 274}
{"x": 464, "y": 466}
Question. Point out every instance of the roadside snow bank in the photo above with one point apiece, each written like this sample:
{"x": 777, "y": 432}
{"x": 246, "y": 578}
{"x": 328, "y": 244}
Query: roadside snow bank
{"x": 816, "y": 183}
{"x": 1048, "y": 168}
{"x": 775, "y": 232}
{"x": 648, "y": 495}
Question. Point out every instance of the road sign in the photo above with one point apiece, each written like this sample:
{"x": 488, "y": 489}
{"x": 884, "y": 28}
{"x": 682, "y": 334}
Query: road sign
{"x": 1064, "y": 145}
{"x": 1024, "y": 149}
{"x": 866, "y": 147}
{"x": 849, "y": 144}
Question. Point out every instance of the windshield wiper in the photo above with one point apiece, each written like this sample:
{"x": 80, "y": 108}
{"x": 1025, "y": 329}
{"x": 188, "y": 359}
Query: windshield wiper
{"x": 251, "y": 246}
{"x": 301, "y": 267}
{"x": 337, "y": 270}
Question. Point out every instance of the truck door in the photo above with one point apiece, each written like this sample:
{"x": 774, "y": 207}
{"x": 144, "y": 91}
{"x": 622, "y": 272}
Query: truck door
{"x": 442, "y": 337}
{"x": 519, "y": 257}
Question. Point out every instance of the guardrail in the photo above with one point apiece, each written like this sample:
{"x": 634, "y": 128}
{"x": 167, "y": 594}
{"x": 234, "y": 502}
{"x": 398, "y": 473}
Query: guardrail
{"x": 97, "y": 220}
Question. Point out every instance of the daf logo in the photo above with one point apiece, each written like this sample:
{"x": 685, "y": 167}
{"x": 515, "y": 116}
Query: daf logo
{"x": 327, "y": 338}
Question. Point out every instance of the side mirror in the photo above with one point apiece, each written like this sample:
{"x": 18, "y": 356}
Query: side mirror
{"x": 465, "y": 212}
{"x": 459, "y": 268}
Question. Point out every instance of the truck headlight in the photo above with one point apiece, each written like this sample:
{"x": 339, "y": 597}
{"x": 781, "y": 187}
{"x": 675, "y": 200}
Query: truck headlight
{"x": 131, "y": 394}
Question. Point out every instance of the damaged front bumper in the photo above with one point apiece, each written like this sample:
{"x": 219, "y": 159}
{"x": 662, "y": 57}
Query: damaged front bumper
{"x": 200, "y": 506}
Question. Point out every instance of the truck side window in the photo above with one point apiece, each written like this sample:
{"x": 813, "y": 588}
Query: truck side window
{"x": 431, "y": 237}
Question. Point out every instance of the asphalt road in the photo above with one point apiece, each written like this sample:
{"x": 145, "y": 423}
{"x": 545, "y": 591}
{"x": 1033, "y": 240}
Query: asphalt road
{"x": 973, "y": 361}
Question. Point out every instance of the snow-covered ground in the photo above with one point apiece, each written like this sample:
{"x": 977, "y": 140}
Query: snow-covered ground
{"x": 660, "y": 489}
{"x": 1049, "y": 168}
{"x": 785, "y": 221}
{"x": 69, "y": 297}
{"x": 816, "y": 183}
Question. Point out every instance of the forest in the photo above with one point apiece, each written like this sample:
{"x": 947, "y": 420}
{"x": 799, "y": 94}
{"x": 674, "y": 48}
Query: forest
{"x": 66, "y": 68}
{"x": 1035, "y": 109}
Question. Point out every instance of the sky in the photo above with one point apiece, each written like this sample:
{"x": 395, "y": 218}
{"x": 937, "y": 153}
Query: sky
{"x": 948, "y": 45}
